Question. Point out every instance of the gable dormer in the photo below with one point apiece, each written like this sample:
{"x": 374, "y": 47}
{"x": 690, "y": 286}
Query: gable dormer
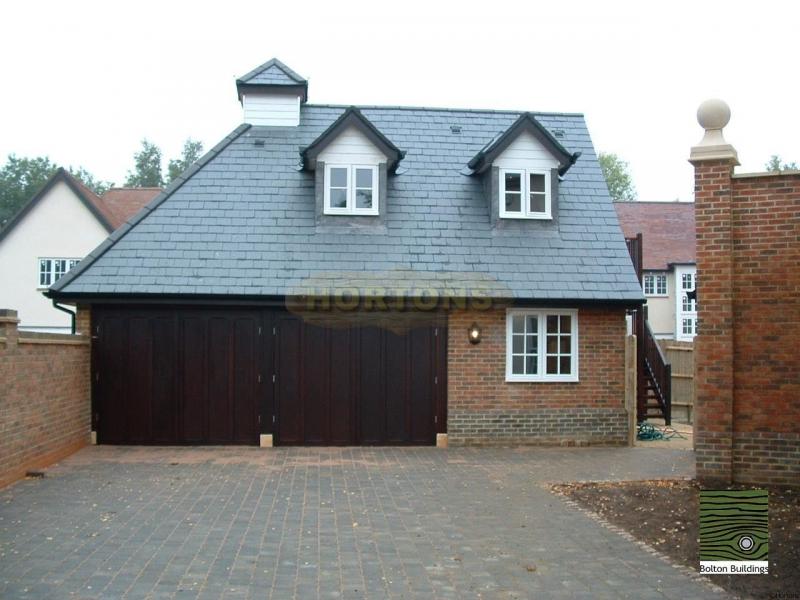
{"x": 352, "y": 161}
{"x": 523, "y": 166}
{"x": 271, "y": 95}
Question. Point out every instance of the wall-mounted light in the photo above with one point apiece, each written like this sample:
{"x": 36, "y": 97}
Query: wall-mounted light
{"x": 474, "y": 334}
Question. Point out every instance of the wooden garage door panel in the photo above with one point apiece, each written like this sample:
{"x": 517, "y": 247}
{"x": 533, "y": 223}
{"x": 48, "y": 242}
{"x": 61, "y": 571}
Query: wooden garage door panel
{"x": 396, "y": 390}
{"x": 245, "y": 419}
{"x": 371, "y": 393}
{"x": 287, "y": 390}
{"x": 341, "y": 387}
{"x": 138, "y": 401}
{"x": 164, "y": 400}
{"x": 193, "y": 379}
{"x": 111, "y": 388}
{"x": 177, "y": 376}
{"x": 422, "y": 401}
{"x": 315, "y": 385}
{"x": 220, "y": 419}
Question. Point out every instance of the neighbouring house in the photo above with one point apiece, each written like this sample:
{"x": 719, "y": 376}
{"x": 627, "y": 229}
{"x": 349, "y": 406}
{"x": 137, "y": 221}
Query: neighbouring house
{"x": 49, "y": 236}
{"x": 365, "y": 275}
{"x": 669, "y": 269}
{"x": 747, "y": 425}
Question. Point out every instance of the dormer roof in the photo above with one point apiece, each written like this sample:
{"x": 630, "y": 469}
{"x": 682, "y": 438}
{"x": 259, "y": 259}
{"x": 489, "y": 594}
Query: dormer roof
{"x": 272, "y": 76}
{"x": 352, "y": 117}
{"x": 525, "y": 123}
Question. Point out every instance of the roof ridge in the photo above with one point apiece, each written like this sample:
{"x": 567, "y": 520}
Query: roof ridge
{"x": 119, "y": 233}
{"x": 272, "y": 62}
{"x": 90, "y": 200}
{"x": 448, "y": 109}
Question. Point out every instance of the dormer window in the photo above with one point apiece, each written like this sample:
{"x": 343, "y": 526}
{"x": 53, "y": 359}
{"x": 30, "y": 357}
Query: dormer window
{"x": 525, "y": 194}
{"x": 351, "y": 189}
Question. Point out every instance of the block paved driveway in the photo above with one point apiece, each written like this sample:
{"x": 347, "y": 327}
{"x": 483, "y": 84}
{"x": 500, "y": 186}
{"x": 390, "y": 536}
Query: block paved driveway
{"x": 302, "y": 523}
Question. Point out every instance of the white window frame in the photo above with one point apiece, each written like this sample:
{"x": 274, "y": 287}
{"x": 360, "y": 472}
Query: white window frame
{"x": 681, "y": 314}
{"x": 351, "y": 209}
{"x": 542, "y": 314}
{"x": 71, "y": 263}
{"x": 654, "y": 278}
{"x": 526, "y": 213}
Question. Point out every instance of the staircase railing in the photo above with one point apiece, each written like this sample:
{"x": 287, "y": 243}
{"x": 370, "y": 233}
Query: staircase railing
{"x": 659, "y": 372}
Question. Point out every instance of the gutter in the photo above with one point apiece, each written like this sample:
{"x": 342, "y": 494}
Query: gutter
{"x": 71, "y": 314}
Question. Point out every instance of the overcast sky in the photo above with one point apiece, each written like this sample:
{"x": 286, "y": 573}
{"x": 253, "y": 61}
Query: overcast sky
{"x": 84, "y": 82}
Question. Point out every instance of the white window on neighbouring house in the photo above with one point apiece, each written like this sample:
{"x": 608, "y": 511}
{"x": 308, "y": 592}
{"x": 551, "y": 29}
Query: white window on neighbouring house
{"x": 541, "y": 345}
{"x": 52, "y": 269}
{"x": 655, "y": 284}
{"x": 686, "y": 307}
{"x": 351, "y": 190}
{"x": 525, "y": 194}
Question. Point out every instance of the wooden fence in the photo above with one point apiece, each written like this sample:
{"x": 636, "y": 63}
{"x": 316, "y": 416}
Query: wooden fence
{"x": 681, "y": 356}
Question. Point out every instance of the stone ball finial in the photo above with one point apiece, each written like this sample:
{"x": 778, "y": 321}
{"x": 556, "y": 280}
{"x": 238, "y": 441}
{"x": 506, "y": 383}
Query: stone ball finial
{"x": 713, "y": 114}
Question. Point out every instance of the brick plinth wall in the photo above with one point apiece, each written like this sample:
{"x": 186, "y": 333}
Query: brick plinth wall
{"x": 44, "y": 406}
{"x": 748, "y": 366}
{"x": 485, "y": 409}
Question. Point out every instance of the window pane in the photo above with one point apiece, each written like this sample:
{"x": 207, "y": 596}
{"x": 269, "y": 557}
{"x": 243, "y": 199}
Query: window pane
{"x": 364, "y": 178}
{"x": 513, "y": 182}
{"x": 44, "y": 272}
{"x": 533, "y": 324}
{"x": 339, "y": 177}
{"x": 537, "y": 203}
{"x": 363, "y": 198}
{"x": 552, "y": 324}
{"x": 566, "y": 365}
{"x": 648, "y": 284}
{"x": 518, "y": 324}
{"x": 566, "y": 323}
{"x": 518, "y": 344}
{"x": 531, "y": 365}
{"x": 566, "y": 344}
{"x": 339, "y": 198}
{"x": 537, "y": 182}
{"x": 552, "y": 365}
{"x": 531, "y": 345}
{"x": 513, "y": 202}
{"x": 518, "y": 365}
{"x": 552, "y": 344}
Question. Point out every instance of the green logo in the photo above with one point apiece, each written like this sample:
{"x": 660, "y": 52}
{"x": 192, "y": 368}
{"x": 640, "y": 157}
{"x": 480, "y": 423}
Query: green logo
{"x": 734, "y": 525}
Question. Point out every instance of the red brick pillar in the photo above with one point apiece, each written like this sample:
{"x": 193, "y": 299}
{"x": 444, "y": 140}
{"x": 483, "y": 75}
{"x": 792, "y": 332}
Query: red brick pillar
{"x": 713, "y": 161}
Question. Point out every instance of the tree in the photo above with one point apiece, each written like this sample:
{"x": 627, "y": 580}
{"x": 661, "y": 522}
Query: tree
{"x": 618, "y": 179}
{"x": 192, "y": 150}
{"x": 147, "y": 167}
{"x": 773, "y": 165}
{"x": 22, "y": 178}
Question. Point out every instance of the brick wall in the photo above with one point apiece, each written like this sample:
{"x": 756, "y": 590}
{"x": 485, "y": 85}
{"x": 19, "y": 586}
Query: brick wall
{"x": 748, "y": 387}
{"x": 44, "y": 397}
{"x": 485, "y": 409}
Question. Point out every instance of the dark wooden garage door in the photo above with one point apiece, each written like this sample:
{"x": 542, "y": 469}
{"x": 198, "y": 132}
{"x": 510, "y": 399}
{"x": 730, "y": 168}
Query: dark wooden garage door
{"x": 223, "y": 376}
{"x": 358, "y": 384}
{"x": 176, "y": 376}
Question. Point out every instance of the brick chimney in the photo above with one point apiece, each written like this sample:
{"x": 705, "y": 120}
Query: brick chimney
{"x": 714, "y": 159}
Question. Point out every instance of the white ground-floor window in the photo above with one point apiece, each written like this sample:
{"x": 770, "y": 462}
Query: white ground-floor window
{"x": 541, "y": 345}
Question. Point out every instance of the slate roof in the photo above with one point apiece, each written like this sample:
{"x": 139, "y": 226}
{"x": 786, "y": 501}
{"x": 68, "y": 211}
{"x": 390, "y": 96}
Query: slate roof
{"x": 122, "y": 203}
{"x": 241, "y": 222}
{"x": 667, "y": 228}
{"x": 273, "y": 74}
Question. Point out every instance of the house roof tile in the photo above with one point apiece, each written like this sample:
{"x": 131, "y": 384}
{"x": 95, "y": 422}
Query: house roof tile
{"x": 122, "y": 203}
{"x": 667, "y": 228}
